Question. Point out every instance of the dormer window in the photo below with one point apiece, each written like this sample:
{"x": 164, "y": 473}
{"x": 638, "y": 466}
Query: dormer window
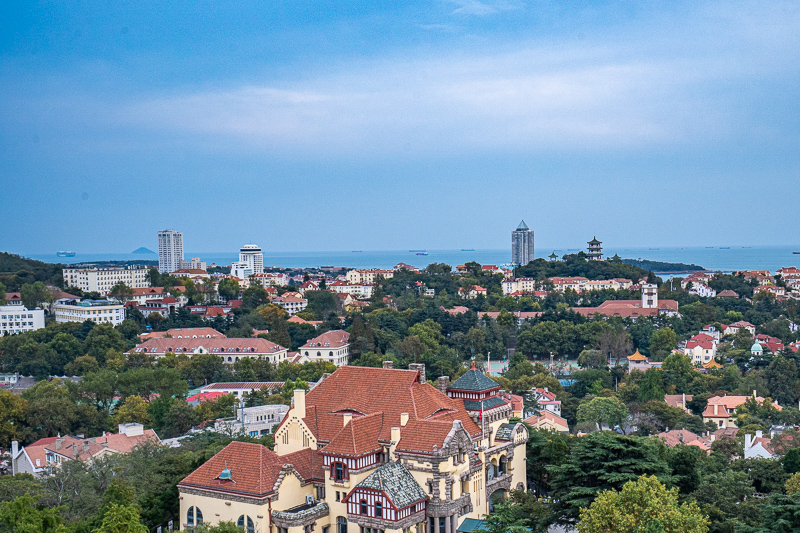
{"x": 339, "y": 471}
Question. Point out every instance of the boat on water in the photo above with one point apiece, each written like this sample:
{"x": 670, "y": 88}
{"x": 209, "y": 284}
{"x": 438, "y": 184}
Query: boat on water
{"x": 64, "y": 253}
{"x": 417, "y": 251}
{"x": 357, "y": 252}
{"x": 796, "y": 252}
{"x": 422, "y": 253}
{"x": 724, "y": 247}
{"x": 468, "y": 249}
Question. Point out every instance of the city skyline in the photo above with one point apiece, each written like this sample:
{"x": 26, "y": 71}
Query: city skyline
{"x": 430, "y": 124}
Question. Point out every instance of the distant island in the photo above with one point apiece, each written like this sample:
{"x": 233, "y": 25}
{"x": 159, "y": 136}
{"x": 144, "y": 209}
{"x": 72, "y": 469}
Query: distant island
{"x": 659, "y": 267}
{"x": 143, "y": 250}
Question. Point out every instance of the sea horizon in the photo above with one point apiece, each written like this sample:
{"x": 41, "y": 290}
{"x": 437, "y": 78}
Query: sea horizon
{"x": 723, "y": 258}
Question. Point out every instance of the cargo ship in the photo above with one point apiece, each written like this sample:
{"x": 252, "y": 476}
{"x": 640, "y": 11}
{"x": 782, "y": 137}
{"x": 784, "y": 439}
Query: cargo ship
{"x": 64, "y": 253}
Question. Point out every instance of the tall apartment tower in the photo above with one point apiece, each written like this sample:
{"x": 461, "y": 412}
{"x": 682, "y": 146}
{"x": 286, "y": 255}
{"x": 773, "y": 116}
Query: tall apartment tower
{"x": 170, "y": 250}
{"x": 522, "y": 245}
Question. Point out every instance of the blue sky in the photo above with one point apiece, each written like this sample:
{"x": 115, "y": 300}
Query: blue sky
{"x": 365, "y": 125}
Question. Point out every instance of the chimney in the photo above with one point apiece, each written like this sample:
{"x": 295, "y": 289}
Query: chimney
{"x": 684, "y": 400}
{"x": 403, "y": 419}
{"x": 395, "y": 436}
{"x": 388, "y": 364}
{"x": 715, "y": 409}
{"x": 300, "y": 402}
{"x": 443, "y": 383}
{"x": 748, "y": 441}
{"x": 86, "y": 446}
{"x": 754, "y": 393}
{"x": 324, "y": 376}
{"x": 59, "y": 443}
{"x": 759, "y": 434}
{"x": 712, "y": 437}
{"x": 419, "y": 367}
{"x": 346, "y": 419}
{"x": 680, "y": 436}
{"x": 14, "y": 453}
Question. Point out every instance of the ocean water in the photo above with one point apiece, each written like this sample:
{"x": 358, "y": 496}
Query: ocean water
{"x": 724, "y": 258}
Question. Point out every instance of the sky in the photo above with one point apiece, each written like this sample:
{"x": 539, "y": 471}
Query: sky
{"x": 316, "y": 125}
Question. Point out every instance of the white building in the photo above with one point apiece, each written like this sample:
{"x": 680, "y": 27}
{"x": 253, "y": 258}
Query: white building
{"x": 290, "y": 304}
{"x": 195, "y": 264}
{"x": 98, "y": 311}
{"x": 356, "y": 290}
{"x": 19, "y": 319}
{"x": 521, "y": 285}
{"x": 253, "y": 421}
{"x": 702, "y": 290}
{"x": 368, "y": 277}
{"x": 229, "y": 350}
{"x": 170, "y": 250}
{"x": 101, "y": 280}
{"x": 333, "y": 346}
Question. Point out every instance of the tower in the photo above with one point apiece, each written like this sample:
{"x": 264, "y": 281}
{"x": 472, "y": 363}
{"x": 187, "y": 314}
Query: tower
{"x": 595, "y": 250}
{"x": 170, "y": 250}
{"x": 649, "y": 296}
{"x": 251, "y": 261}
{"x": 522, "y": 245}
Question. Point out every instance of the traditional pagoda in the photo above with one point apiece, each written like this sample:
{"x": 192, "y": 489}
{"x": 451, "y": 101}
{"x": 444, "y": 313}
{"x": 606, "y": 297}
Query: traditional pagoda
{"x": 595, "y": 250}
{"x": 553, "y": 256}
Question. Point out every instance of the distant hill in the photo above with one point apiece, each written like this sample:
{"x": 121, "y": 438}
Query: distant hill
{"x": 143, "y": 250}
{"x": 660, "y": 267}
{"x": 16, "y": 270}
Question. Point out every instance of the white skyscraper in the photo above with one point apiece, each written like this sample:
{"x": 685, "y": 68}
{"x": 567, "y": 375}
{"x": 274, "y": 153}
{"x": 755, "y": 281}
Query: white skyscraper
{"x": 170, "y": 250}
{"x": 251, "y": 261}
{"x": 522, "y": 245}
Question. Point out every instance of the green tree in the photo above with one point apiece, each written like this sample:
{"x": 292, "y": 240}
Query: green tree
{"x": 228, "y": 289}
{"x": 12, "y": 416}
{"x": 3, "y": 289}
{"x": 662, "y": 342}
{"x": 22, "y": 515}
{"x": 121, "y": 519}
{"x": 35, "y": 294}
{"x": 133, "y": 410}
{"x": 679, "y": 371}
{"x": 101, "y": 339}
{"x": 121, "y": 292}
{"x": 781, "y": 377}
{"x": 50, "y": 409}
{"x": 793, "y": 484}
{"x": 644, "y": 505}
{"x": 603, "y": 411}
{"x": 600, "y": 461}
{"x": 522, "y": 512}
{"x": 254, "y": 296}
{"x": 652, "y": 386}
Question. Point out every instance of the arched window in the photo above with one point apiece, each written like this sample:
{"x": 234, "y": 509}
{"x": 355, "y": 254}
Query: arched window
{"x": 363, "y": 506}
{"x": 341, "y": 525}
{"x": 330, "y": 354}
{"x": 194, "y": 516}
{"x": 379, "y": 509}
{"x": 319, "y": 354}
{"x": 249, "y": 521}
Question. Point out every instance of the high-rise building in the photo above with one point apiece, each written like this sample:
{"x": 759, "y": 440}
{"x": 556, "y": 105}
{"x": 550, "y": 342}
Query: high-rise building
{"x": 522, "y": 245}
{"x": 251, "y": 261}
{"x": 170, "y": 250}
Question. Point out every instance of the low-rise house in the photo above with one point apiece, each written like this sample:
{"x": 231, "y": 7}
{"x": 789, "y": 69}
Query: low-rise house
{"x": 676, "y": 437}
{"x": 45, "y": 454}
{"x": 695, "y": 278}
{"x": 727, "y": 293}
{"x": 141, "y": 295}
{"x": 370, "y": 276}
{"x": 333, "y": 346}
{"x": 184, "y": 333}
{"x": 703, "y": 290}
{"x": 456, "y": 310}
{"x": 721, "y": 410}
{"x": 678, "y": 400}
{"x": 241, "y": 388}
{"x": 291, "y": 304}
{"x": 701, "y": 348}
{"x": 649, "y": 305}
{"x": 758, "y": 447}
{"x": 549, "y": 421}
{"x": 357, "y": 290}
{"x": 519, "y": 285}
{"x": 546, "y": 400}
{"x": 733, "y": 329}
{"x": 472, "y": 293}
{"x": 229, "y": 350}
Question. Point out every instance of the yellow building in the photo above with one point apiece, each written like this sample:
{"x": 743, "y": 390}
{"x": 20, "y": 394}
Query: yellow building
{"x": 368, "y": 450}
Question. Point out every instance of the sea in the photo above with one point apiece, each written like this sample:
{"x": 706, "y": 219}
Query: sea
{"x": 717, "y": 258}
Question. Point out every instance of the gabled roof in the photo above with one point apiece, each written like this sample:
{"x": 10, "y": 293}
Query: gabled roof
{"x": 359, "y": 437}
{"x": 332, "y": 339}
{"x": 474, "y": 380}
{"x": 396, "y": 483}
{"x": 254, "y": 470}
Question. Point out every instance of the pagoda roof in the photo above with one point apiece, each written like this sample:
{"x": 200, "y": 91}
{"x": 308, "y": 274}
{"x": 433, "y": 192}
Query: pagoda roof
{"x": 637, "y": 356}
{"x": 594, "y": 241}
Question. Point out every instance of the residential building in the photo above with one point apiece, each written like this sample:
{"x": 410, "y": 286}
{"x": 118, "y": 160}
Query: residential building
{"x": 701, "y": 348}
{"x": 702, "y": 290}
{"x": 98, "y": 311}
{"x": 170, "y": 250}
{"x": 252, "y": 421}
{"x": 696, "y": 278}
{"x": 758, "y": 447}
{"x": 727, "y": 293}
{"x": 685, "y": 437}
{"x": 721, "y": 410}
{"x": 546, "y": 400}
{"x": 230, "y": 350}
{"x": 678, "y": 400}
{"x": 472, "y": 293}
{"x": 195, "y": 274}
{"x": 290, "y": 303}
{"x": 142, "y": 295}
{"x": 19, "y": 319}
{"x": 333, "y": 346}
{"x": 101, "y": 280}
{"x": 370, "y": 276}
{"x": 549, "y": 421}
{"x": 522, "y": 245}
{"x": 519, "y": 285}
{"x": 357, "y": 290}
{"x": 733, "y": 329}
{"x": 595, "y": 251}
{"x": 42, "y": 456}
{"x": 408, "y": 458}
{"x": 195, "y": 264}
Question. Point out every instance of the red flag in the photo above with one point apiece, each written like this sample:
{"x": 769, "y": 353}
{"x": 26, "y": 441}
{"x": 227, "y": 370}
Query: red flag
{"x": 481, "y": 411}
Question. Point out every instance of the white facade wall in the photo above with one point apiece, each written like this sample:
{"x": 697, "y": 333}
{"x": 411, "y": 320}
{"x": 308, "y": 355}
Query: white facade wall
{"x": 112, "y": 314}
{"x": 170, "y": 250}
{"x": 19, "y": 319}
{"x": 101, "y": 280}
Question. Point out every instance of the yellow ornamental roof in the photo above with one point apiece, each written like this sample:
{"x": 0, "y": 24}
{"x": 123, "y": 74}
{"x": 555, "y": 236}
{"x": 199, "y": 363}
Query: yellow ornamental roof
{"x": 637, "y": 357}
{"x": 712, "y": 364}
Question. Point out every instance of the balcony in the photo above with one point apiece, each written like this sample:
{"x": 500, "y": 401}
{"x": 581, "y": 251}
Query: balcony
{"x": 301, "y": 515}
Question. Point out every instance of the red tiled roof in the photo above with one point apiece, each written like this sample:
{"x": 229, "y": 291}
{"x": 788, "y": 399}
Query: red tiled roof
{"x": 359, "y": 437}
{"x": 254, "y": 470}
{"x": 674, "y": 399}
{"x": 221, "y": 345}
{"x": 332, "y": 339}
